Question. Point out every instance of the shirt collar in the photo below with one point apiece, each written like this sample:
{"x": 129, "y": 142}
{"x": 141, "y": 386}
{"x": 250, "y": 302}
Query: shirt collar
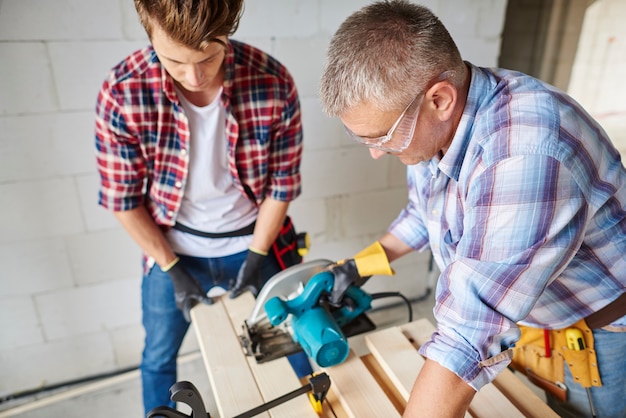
{"x": 229, "y": 72}
{"x": 452, "y": 161}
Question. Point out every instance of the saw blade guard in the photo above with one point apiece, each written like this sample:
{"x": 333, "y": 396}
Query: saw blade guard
{"x": 284, "y": 285}
{"x": 314, "y": 326}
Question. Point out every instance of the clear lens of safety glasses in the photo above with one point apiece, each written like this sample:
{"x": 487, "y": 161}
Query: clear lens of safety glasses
{"x": 399, "y": 136}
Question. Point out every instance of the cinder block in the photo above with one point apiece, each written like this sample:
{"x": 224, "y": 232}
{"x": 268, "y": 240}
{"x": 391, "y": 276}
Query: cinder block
{"x": 337, "y": 249}
{"x": 341, "y": 171}
{"x": 460, "y": 17}
{"x": 481, "y": 52}
{"x": 104, "y": 256}
{"x": 397, "y": 173}
{"x": 97, "y": 218}
{"x": 335, "y": 226}
{"x": 75, "y": 312}
{"x": 321, "y": 131}
{"x": 308, "y": 215}
{"x": 31, "y": 88}
{"x": 36, "y": 266}
{"x": 304, "y": 57}
{"x": 279, "y": 18}
{"x": 333, "y": 13}
{"x": 47, "y": 145}
{"x": 39, "y": 209}
{"x": 371, "y": 212}
{"x": 55, "y": 362}
{"x": 19, "y": 323}
{"x": 131, "y": 26}
{"x": 59, "y": 20}
{"x": 490, "y": 19}
{"x": 78, "y": 85}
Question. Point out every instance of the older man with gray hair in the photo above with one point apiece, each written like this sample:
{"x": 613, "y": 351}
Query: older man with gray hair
{"x": 519, "y": 194}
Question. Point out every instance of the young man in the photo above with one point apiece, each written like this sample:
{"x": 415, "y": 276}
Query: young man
{"x": 517, "y": 191}
{"x": 199, "y": 143}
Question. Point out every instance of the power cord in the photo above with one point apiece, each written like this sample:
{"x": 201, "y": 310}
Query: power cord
{"x": 395, "y": 294}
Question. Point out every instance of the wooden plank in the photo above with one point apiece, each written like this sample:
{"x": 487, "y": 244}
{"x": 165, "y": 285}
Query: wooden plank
{"x": 397, "y": 357}
{"x": 232, "y": 381}
{"x": 384, "y": 382}
{"x": 332, "y": 405}
{"x": 522, "y": 396}
{"x": 274, "y": 378}
{"x": 358, "y": 391}
{"x": 489, "y": 401}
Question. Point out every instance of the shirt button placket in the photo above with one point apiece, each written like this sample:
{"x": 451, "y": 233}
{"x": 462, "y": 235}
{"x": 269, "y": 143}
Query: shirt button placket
{"x": 434, "y": 207}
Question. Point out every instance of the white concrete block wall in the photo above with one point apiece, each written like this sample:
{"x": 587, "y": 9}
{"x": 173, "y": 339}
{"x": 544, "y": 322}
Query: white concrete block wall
{"x": 70, "y": 276}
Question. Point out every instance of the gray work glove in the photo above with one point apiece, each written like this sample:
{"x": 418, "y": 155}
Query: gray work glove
{"x": 249, "y": 276}
{"x": 188, "y": 291}
{"x": 346, "y": 274}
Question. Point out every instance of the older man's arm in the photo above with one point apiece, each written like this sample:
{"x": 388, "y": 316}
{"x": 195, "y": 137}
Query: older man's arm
{"x": 438, "y": 392}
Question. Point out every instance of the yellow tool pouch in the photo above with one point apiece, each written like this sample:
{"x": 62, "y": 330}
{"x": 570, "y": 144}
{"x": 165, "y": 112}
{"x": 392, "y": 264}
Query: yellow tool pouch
{"x": 545, "y": 367}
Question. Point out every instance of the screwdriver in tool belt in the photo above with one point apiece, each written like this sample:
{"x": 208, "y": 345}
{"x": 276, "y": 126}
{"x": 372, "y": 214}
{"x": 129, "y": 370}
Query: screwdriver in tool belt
{"x": 576, "y": 342}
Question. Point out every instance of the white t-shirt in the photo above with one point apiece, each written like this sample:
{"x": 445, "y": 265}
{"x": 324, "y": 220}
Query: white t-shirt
{"x": 211, "y": 202}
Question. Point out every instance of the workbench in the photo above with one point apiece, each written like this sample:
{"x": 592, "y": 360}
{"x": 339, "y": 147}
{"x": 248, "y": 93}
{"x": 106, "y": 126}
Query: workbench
{"x": 376, "y": 384}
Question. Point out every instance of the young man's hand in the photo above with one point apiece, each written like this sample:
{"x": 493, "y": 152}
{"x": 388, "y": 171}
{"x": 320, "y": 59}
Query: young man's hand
{"x": 249, "y": 276}
{"x": 187, "y": 290}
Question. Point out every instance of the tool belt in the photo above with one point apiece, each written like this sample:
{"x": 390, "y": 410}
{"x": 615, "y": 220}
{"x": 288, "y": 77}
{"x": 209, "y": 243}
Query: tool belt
{"x": 285, "y": 247}
{"x": 246, "y": 230}
{"x": 542, "y": 354}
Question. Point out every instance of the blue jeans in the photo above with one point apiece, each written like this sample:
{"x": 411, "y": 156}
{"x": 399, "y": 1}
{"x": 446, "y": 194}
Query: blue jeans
{"x": 609, "y": 400}
{"x": 166, "y": 327}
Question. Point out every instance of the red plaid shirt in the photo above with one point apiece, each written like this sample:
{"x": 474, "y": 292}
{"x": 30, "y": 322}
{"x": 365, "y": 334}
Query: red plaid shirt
{"x": 142, "y": 133}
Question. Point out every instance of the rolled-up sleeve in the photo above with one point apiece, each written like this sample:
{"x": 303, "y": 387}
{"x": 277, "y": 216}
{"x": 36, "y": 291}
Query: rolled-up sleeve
{"x": 523, "y": 223}
{"x": 118, "y": 155}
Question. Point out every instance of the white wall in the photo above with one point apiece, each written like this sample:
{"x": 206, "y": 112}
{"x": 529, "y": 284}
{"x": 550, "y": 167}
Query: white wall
{"x": 599, "y": 70}
{"x": 69, "y": 275}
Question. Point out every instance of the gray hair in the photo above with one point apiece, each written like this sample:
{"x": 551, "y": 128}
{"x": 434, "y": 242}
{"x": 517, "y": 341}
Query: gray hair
{"x": 385, "y": 54}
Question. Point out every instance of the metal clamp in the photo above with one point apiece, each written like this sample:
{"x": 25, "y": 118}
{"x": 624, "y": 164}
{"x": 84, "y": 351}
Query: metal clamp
{"x": 187, "y": 393}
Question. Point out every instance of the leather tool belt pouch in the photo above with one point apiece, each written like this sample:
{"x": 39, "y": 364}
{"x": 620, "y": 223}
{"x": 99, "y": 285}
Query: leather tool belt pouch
{"x": 285, "y": 248}
{"x": 545, "y": 367}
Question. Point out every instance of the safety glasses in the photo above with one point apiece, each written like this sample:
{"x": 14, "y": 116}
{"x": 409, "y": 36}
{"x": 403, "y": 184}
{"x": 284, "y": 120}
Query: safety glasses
{"x": 401, "y": 133}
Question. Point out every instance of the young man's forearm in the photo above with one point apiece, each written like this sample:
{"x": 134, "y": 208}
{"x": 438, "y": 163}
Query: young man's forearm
{"x": 147, "y": 234}
{"x": 269, "y": 221}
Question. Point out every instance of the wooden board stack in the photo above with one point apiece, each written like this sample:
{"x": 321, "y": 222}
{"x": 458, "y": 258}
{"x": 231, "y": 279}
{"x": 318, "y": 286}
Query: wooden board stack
{"x": 374, "y": 385}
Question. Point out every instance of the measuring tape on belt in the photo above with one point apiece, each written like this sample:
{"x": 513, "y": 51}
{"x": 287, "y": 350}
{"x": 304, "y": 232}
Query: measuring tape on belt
{"x": 542, "y": 355}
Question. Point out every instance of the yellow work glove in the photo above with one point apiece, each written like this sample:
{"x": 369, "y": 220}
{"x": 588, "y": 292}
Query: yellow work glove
{"x": 355, "y": 271}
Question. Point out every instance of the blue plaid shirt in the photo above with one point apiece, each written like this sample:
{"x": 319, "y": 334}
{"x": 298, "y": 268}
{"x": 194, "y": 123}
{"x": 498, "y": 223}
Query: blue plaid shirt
{"x": 525, "y": 215}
